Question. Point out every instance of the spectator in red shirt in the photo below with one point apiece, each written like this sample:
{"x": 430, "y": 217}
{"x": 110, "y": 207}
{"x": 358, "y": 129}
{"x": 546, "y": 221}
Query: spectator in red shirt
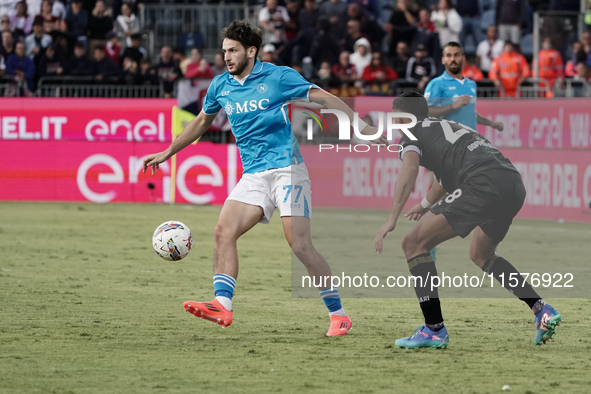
{"x": 198, "y": 67}
{"x": 425, "y": 21}
{"x": 344, "y": 69}
{"x": 50, "y": 23}
{"x": 113, "y": 48}
{"x": 378, "y": 71}
{"x": 377, "y": 76}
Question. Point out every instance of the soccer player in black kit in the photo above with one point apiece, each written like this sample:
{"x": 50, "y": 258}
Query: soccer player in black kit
{"x": 484, "y": 193}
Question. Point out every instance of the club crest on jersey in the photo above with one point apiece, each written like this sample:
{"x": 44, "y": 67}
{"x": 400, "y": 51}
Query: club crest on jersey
{"x": 262, "y": 88}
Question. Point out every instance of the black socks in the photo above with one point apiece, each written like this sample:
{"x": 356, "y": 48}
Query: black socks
{"x": 423, "y": 268}
{"x": 501, "y": 269}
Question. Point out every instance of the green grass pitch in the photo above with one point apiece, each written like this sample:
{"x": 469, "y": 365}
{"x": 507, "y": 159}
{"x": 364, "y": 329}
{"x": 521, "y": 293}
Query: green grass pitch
{"x": 86, "y": 306}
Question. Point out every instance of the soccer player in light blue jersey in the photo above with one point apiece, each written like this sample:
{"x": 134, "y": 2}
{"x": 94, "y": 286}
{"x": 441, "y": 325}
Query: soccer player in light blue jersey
{"x": 255, "y": 95}
{"x": 453, "y": 97}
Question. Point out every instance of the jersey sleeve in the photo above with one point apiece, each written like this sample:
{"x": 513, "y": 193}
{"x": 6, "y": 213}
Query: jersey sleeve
{"x": 210, "y": 103}
{"x": 432, "y": 94}
{"x": 408, "y": 145}
{"x": 293, "y": 85}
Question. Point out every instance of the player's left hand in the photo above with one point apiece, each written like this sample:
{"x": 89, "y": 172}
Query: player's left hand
{"x": 416, "y": 212}
{"x": 498, "y": 126}
{"x": 382, "y": 232}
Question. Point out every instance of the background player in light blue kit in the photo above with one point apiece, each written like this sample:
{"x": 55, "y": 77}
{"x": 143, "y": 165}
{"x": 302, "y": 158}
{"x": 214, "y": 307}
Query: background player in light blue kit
{"x": 255, "y": 95}
{"x": 453, "y": 97}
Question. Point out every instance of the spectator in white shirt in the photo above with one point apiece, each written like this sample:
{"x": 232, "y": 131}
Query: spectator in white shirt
{"x": 58, "y": 9}
{"x": 273, "y": 19}
{"x": 34, "y": 7}
{"x": 488, "y": 49}
{"x": 127, "y": 25}
{"x": 8, "y": 7}
{"x": 37, "y": 41}
{"x": 361, "y": 58}
{"x": 448, "y": 22}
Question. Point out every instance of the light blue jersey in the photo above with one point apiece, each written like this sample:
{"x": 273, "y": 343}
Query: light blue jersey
{"x": 441, "y": 91}
{"x": 256, "y": 109}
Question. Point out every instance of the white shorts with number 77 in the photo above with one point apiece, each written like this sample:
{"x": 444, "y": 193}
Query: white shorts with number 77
{"x": 287, "y": 188}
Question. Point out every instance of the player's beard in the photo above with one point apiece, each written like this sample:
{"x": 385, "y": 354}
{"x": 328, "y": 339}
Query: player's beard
{"x": 454, "y": 69}
{"x": 240, "y": 67}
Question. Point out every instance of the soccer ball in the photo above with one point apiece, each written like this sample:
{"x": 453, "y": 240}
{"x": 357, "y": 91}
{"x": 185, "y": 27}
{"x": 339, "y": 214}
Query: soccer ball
{"x": 172, "y": 240}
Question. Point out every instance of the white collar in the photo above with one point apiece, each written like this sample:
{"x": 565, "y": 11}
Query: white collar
{"x": 240, "y": 81}
{"x": 257, "y": 68}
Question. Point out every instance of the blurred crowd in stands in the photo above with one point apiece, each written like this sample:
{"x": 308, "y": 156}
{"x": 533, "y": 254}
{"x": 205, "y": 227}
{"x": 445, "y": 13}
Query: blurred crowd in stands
{"x": 338, "y": 43}
{"x": 356, "y": 44}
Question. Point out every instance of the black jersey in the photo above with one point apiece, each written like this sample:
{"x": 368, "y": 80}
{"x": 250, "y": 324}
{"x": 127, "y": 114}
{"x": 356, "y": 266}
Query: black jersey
{"x": 454, "y": 152}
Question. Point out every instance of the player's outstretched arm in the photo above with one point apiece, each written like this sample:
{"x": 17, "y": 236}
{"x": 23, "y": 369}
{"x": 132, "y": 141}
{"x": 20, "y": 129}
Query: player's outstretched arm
{"x": 195, "y": 129}
{"x": 322, "y": 97}
{"x": 488, "y": 122}
{"x": 406, "y": 182}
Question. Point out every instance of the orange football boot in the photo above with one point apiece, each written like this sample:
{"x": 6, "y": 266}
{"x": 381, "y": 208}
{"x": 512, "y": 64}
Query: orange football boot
{"x": 212, "y": 311}
{"x": 339, "y": 325}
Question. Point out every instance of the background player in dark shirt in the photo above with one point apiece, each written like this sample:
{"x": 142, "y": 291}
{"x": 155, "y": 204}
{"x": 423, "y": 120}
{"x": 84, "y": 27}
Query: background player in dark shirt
{"x": 485, "y": 192}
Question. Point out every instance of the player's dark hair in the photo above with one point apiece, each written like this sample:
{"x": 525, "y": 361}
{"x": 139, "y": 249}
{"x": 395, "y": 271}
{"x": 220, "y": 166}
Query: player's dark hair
{"x": 454, "y": 44}
{"x": 413, "y": 103}
{"x": 246, "y": 34}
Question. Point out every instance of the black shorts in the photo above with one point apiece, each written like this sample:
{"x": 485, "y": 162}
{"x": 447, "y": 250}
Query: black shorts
{"x": 489, "y": 200}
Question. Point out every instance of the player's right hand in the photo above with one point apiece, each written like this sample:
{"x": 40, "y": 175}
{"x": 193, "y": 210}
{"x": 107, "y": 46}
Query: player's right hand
{"x": 498, "y": 126}
{"x": 416, "y": 212}
{"x": 461, "y": 101}
{"x": 154, "y": 161}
